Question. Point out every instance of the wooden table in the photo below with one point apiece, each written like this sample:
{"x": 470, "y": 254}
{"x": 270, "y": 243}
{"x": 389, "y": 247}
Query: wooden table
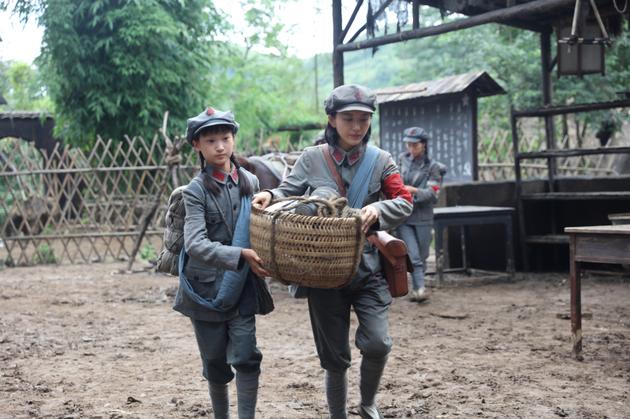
{"x": 598, "y": 244}
{"x": 467, "y": 215}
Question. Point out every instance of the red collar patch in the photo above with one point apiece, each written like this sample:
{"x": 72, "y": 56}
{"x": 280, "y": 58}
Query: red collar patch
{"x": 351, "y": 156}
{"x": 338, "y": 155}
{"x": 354, "y": 155}
{"x": 221, "y": 177}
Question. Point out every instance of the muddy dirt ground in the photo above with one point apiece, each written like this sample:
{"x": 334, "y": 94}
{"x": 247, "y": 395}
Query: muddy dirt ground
{"x": 84, "y": 342}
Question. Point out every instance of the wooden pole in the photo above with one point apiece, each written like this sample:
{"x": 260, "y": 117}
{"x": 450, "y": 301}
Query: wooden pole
{"x": 547, "y": 94}
{"x": 337, "y": 55}
{"x": 415, "y": 14}
{"x": 173, "y": 158}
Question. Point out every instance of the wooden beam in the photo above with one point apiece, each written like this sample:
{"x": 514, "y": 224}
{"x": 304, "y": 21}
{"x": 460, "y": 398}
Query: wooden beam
{"x": 573, "y": 152}
{"x": 496, "y": 16}
{"x": 350, "y": 21}
{"x": 565, "y": 109}
{"x": 377, "y": 14}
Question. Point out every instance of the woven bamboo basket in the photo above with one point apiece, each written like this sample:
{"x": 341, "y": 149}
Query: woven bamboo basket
{"x": 312, "y": 251}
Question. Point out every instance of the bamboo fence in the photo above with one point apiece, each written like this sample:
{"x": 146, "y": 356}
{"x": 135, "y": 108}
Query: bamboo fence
{"x": 82, "y": 207}
{"x": 73, "y": 207}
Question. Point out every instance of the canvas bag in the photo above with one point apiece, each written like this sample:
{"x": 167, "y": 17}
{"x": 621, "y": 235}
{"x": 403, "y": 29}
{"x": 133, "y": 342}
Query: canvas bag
{"x": 173, "y": 239}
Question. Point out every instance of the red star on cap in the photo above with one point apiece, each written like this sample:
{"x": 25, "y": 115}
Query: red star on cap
{"x": 209, "y": 111}
{"x": 358, "y": 95}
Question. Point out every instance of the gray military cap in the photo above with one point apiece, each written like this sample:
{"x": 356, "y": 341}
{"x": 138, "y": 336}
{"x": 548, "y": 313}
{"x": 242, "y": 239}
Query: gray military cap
{"x": 208, "y": 118}
{"x": 415, "y": 135}
{"x": 350, "y": 97}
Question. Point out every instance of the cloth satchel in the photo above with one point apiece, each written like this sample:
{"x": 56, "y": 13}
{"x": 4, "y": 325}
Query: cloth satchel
{"x": 234, "y": 282}
{"x": 395, "y": 262}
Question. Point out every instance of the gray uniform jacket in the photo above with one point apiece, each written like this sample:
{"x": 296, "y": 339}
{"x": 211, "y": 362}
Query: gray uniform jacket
{"x": 311, "y": 172}
{"x": 417, "y": 173}
{"x": 208, "y": 228}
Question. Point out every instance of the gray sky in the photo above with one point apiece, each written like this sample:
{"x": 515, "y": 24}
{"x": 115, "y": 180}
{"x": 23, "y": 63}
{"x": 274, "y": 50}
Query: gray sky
{"x": 19, "y": 42}
{"x": 308, "y": 28}
{"x": 308, "y": 23}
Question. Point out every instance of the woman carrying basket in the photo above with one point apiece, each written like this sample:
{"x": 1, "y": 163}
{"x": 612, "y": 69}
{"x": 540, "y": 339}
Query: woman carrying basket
{"x": 349, "y": 109}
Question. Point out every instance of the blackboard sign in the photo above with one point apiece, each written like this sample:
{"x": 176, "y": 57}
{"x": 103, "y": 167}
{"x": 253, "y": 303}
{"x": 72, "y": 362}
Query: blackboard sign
{"x": 450, "y": 120}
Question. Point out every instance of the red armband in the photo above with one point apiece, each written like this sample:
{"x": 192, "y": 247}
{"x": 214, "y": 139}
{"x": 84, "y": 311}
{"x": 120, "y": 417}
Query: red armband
{"x": 393, "y": 187}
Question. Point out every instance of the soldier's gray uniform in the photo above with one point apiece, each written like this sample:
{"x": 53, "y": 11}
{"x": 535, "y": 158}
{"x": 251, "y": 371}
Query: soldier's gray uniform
{"x": 423, "y": 174}
{"x": 368, "y": 292}
{"x": 207, "y": 241}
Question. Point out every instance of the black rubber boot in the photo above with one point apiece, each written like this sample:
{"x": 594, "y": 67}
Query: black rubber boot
{"x": 220, "y": 400}
{"x": 336, "y": 393}
{"x": 247, "y": 393}
{"x": 371, "y": 373}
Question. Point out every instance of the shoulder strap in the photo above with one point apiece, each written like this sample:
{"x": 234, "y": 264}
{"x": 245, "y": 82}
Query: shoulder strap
{"x": 333, "y": 169}
{"x": 358, "y": 190}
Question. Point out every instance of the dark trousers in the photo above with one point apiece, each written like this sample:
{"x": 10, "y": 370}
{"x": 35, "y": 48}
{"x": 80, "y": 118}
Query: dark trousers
{"x": 329, "y": 310}
{"x": 418, "y": 240}
{"x": 227, "y": 344}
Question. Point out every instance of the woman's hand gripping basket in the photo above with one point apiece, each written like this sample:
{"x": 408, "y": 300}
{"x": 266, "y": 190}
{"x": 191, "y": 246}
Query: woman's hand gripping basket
{"x": 321, "y": 251}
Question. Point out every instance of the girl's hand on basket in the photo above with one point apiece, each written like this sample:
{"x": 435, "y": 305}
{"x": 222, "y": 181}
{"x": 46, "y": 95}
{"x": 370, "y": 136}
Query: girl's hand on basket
{"x": 262, "y": 200}
{"x": 369, "y": 215}
{"x": 255, "y": 262}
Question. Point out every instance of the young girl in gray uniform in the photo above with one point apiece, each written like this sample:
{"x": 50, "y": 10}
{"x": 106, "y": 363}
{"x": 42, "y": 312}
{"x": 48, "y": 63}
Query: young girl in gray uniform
{"x": 216, "y": 289}
{"x": 349, "y": 109}
{"x": 423, "y": 179}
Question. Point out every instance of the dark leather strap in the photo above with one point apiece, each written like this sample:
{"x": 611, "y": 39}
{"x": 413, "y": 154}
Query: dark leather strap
{"x": 333, "y": 169}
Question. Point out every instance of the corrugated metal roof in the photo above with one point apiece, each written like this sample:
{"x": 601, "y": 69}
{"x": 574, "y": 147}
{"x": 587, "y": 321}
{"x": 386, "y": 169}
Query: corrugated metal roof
{"x": 24, "y": 115}
{"x": 480, "y": 81}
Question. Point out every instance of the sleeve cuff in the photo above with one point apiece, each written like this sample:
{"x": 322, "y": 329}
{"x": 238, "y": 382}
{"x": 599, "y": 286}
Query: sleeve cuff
{"x": 233, "y": 257}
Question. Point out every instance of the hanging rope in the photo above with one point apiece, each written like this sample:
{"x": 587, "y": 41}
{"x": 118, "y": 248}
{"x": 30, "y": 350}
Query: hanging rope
{"x": 625, "y": 6}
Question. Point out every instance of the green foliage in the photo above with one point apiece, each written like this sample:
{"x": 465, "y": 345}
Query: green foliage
{"x": 44, "y": 255}
{"x": 23, "y": 88}
{"x": 113, "y": 67}
{"x": 147, "y": 253}
{"x": 23, "y": 8}
{"x": 262, "y": 27}
{"x": 264, "y": 92}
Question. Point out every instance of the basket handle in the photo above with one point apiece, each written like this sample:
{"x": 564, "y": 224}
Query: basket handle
{"x": 325, "y": 207}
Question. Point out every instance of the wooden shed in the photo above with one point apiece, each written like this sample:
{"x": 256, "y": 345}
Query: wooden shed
{"x": 34, "y": 127}
{"x": 447, "y": 110}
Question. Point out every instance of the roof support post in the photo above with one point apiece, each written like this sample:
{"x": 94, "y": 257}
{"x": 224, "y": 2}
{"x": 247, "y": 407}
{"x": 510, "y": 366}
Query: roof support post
{"x": 337, "y": 55}
{"x": 550, "y": 135}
